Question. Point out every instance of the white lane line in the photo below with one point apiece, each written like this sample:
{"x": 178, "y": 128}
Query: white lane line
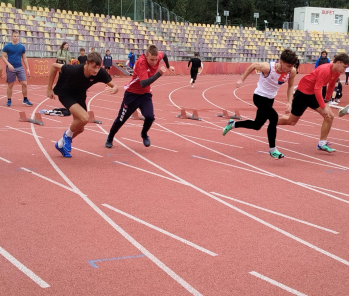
{"x": 276, "y": 213}
{"x": 149, "y": 172}
{"x": 275, "y": 283}
{"x": 303, "y": 160}
{"x": 266, "y": 138}
{"x": 45, "y": 117}
{"x": 10, "y": 108}
{"x": 151, "y": 145}
{"x": 106, "y": 118}
{"x": 92, "y": 130}
{"x": 162, "y": 231}
{"x": 231, "y": 165}
{"x": 47, "y": 179}
{"x": 214, "y": 142}
{"x": 88, "y": 152}
{"x": 24, "y": 269}
{"x": 16, "y": 129}
{"x": 104, "y": 108}
{"x": 5, "y": 160}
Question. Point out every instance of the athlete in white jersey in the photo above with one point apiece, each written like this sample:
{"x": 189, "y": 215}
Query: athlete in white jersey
{"x": 272, "y": 76}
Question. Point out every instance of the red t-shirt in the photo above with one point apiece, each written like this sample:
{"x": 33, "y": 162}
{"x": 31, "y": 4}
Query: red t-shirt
{"x": 312, "y": 83}
{"x": 142, "y": 71}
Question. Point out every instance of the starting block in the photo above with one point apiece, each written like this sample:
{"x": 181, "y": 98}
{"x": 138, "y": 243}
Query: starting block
{"x": 184, "y": 115}
{"x": 227, "y": 116}
{"x": 37, "y": 120}
{"x": 135, "y": 116}
{"x": 92, "y": 118}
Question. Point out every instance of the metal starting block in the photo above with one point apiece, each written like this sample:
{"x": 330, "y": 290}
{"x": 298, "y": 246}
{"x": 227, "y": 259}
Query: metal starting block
{"x": 184, "y": 115}
{"x": 92, "y": 118}
{"x": 227, "y": 116}
{"x": 24, "y": 118}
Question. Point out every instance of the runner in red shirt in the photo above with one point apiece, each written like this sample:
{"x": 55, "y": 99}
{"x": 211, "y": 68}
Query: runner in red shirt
{"x": 138, "y": 93}
{"x": 308, "y": 94}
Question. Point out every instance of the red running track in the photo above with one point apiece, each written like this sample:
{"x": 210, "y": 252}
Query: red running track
{"x": 195, "y": 213}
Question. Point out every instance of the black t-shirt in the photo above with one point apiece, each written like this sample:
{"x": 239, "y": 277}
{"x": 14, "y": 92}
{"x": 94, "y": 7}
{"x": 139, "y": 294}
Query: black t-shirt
{"x": 82, "y": 59}
{"x": 196, "y": 63}
{"x": 73, "y": 81}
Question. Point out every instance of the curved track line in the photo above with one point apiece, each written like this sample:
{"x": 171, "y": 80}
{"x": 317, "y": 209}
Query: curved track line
{"x": 120, "y": 230}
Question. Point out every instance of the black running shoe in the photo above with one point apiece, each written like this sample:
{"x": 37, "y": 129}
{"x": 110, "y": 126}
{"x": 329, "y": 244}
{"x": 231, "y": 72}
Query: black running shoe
{"x": 146, "y": 140}
{"x": 108, "y": 143}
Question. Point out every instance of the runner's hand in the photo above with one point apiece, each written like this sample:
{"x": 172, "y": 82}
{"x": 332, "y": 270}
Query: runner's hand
{"x": 288, "y": 108}
{"x": 10, "y": 67}
{"x": 172, "y": 69}
{"x": 239, "y": 83}
{"x": 112, "y": 90}
{"x": 28, "y": 72}
{"x": 162, "y": 70}
{"x": 50, "y": 94}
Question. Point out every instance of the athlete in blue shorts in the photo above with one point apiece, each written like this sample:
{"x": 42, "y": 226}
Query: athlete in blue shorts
{"x": 12, "y": 54}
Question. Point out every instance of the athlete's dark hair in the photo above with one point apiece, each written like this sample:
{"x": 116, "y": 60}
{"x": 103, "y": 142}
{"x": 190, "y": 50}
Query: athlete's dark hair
{"x": 324, "y": 51}
{"x": 82, "y": 49}
{"x": 196, "y": 54}
{"x": 153, "y": 50}
{"x": 94, "y": 57}
{"x": 341, "y": 57}
{"x": 289, "y": 57}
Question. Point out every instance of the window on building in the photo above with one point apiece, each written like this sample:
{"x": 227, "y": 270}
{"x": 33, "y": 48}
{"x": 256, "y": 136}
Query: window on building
{"x": 315, "y": 18}
{"x": 338, "y": 19}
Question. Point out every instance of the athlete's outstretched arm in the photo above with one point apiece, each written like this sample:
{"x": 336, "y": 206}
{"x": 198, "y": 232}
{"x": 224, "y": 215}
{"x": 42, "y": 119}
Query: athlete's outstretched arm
{"x": 262, "y": 67}
{"x": 290, "y": 90}
{"x": 165, "y": 59}
{"x": 152, "y": 79}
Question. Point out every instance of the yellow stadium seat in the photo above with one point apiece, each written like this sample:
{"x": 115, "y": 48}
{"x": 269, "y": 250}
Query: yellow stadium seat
{"x": 92, "y": 15}
{"x": 9, "y": 5}
{"x": 3, "y": 4}
{"x": 102, "y": 16}
{"x": 28, "y": 7}
{"x": 81, "y": 13}
{"x": 58, "y": 11}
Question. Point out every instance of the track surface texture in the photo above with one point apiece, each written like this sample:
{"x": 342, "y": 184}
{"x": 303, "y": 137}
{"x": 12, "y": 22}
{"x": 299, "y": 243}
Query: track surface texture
{"x": 194, "y": 213}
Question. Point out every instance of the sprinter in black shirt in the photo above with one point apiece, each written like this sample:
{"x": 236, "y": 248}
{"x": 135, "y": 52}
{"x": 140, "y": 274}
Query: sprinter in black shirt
{"x": 71, "y": 87}
{"x": 196, "y": 64}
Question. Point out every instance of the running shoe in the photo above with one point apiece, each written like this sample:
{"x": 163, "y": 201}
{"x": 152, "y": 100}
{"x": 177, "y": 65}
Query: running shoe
{"x": 8, "y": 104}
{"x": 146, "y": 140}
{"x": 276, "y": 154}
{"x": 228, "y": 127}
{"x": 27, "y": 102}
{"x": 343, "y": 111}
{"x": 326, "y": 148}
{"x": 108, "y": 143}
{"x": 67, "y": 142}
{"x": 191, "y": 80}
{"x": 64, "y": 153}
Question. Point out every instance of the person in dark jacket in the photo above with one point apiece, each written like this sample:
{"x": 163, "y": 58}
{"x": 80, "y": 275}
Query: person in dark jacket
{"x": 323, "y": 59}
{"x": 337, "y": 93}
{"x": 132, "y": 59}
{"x": 107, "y": 61}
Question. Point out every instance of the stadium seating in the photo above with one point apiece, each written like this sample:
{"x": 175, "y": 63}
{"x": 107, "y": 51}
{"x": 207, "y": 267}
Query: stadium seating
{"x": 43, "y": 30}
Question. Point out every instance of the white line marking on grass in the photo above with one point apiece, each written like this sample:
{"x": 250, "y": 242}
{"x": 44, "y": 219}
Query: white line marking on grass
{"x": 5, "y": 160}
{"x": 47, "y": 179}
{"x": 276, "y": 213}
{"x": 275, "y": 283}
{"x": 16, "y": 129}
{"x": 74, "y": 148}
{"x": 162, "y": 231}
{"x": 24, "y": 269}
{"x": 151, "y": 145}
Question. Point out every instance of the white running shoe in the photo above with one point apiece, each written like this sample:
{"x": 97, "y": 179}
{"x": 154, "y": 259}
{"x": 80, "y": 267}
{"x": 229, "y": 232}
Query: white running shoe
{"x": 191, "y": 80}
{"x": 333, "y": 103}
{"x": 343, "y": 111}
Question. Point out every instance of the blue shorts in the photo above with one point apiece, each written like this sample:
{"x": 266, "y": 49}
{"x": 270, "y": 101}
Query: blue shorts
{"x": 131, "y": 65}
{"x": 18, "y": 72}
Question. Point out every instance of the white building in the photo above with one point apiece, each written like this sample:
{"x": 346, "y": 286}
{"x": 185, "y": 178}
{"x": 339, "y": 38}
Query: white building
{"x": 321, "y": 19}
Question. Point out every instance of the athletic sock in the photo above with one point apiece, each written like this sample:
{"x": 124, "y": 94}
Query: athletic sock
{"x": 322, "y": 143}
{"x": 271, "y": 150}
{"x": 348, "y": 111}
{"x": 69, "y": 133}
{"x": 25, "y": 98}
{"x": 60, "y": 143}
{"x": 233, "y": 124}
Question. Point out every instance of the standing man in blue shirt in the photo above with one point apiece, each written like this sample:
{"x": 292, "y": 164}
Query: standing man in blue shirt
{"x": 12, "y": 54}
{"x": 132, "y": 59}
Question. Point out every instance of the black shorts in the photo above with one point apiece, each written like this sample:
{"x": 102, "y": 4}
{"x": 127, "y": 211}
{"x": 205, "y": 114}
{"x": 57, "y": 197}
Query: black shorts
{"x": 68, "y": 101}
{"x": 107, "y": 68}
{"x": 302, "y": 101}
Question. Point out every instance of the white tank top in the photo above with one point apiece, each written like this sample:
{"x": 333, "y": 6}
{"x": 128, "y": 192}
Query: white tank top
{"x": 268, "y": 86}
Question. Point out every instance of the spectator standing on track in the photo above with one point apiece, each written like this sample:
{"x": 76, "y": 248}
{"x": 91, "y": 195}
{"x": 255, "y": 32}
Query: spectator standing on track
{"x": 132, "y": 59}
{"x": 308, "y": 94}
{"x": 63, "y": 54}
{"x": 82, "y": 57}
{"x": 346, "y": 75}
{"x": 196, "y": 64}
{"x": 71, "y": 87}
{"x": 138, "y": 93}
{"x": 272, "y": 76}
{"x": 107, "y": 61}
{"x": 12, "y": 54}
{"x": 323, "y": 59}
{"x": 337, "y": 93}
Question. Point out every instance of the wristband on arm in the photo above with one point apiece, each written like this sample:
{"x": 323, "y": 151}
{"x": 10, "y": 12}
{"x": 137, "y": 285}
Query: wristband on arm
{"x": 150, "y": 80}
